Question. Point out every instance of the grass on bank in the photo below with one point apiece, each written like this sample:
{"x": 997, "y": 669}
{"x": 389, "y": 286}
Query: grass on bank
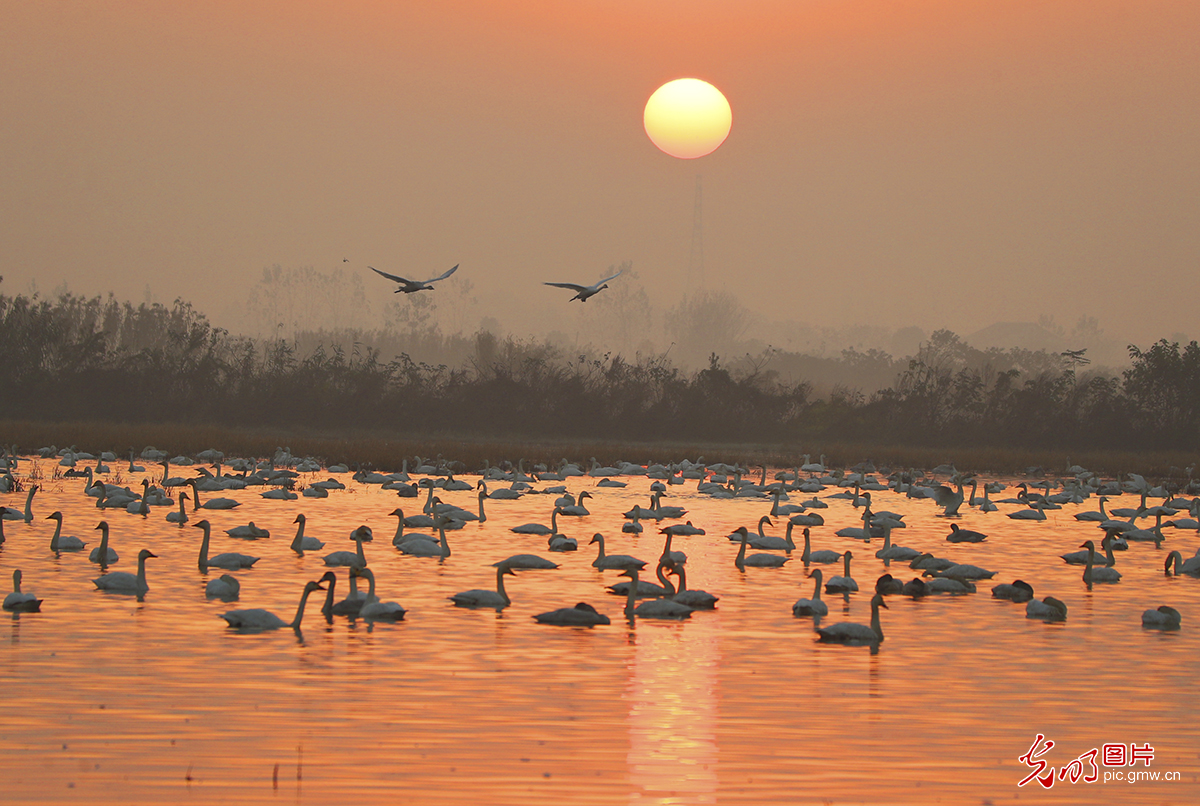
{"x": 387, "y": 451}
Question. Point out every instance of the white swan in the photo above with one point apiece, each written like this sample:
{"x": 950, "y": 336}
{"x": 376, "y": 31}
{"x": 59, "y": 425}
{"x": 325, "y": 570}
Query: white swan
{"x": 814, "y": 606}
{"x": 212, "y": 503}
{"x": 103, "y": 554}
{"x": 229, "y": 560}
{"x": 481, "y": 597}
{"x": 844, "y": 583}
{"x": 526, "y": 562}
{"x": 1101, "y": 574}
{"x": 1097, "y": 516}
{"x": 125, "y": 582}
{"x": 60, "y": 543}
{"x": 427, "y": 548}
{"x": 1164, "y": 618}
{"x": 698, "y": 599}
{"x": 373, "y": 609}
{"x": 409, "y": 286}
{"x": 349, "y": 606}
{"x": 11, "y": 514}
{"x": 1049, "y": 609}
{"x": 350, "y": 558}
{"x": 537, "y": 528}
{"x": 1191, "y": 566}
{"x": 1035, "y": 513}
{"x": 958, "y": 535}
{"x": 257, "y": 619}
{"x": 576, "y": 509}
{"x": 223, "y": 587}
{"x": 248, "y": 532}
{"x": 655, "y": 608}
{"x": 821, "y": 556}
{"x": 300, "y": 543}
{"x": 614, "y": 561}
{"x": 890, "y": 552}
{"x": 19, "y": 602}
{"x": 1018, "y": 591}
{"x": 852, "y": 634}
{"x": 1081, "y": 557}
{"x": 949, "y": 499}
{"x": 181, "y": 516}
{"x": 583, "y": 292}
{"x": 754, "y": 560}
{"x": 581, "y": 615}
{"x": 771, "y": 542}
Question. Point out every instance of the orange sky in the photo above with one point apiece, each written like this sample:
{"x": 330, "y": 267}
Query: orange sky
{"x": 942, "y": 164}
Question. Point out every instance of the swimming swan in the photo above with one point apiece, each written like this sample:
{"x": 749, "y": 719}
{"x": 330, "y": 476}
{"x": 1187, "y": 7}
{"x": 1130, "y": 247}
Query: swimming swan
{"x": 844, "y": 583}
{"x": 755, "y": 560}
{"x": 373, "y": 609}
{"x": 300, "y": 543}
{"x": 19, "y": 602}
{"x": 223, "y": 587}
{"x": 813, "y": 606}
{"x": 852, "y": 634}
{"x": 614, "y": 561}
{"x": 1049, "y": 609}
{"x": 58, "y": 542}
{"x": 230, "y": 560}
{"x": 481, "y": 597}
{"x": 581, "y": 615}
{"x": 258, "y": 620}
{"x": 655, "y": 608}
{"x": 1164, "y": 618}
{"x": 125, "y": 582}
{"x": 103, "y": 554}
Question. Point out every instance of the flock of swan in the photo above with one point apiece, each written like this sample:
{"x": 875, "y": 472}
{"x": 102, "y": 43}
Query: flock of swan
{"x": 668, "y": 598}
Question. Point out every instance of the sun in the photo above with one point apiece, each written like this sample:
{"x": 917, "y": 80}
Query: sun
{"x": 687, "y": 118}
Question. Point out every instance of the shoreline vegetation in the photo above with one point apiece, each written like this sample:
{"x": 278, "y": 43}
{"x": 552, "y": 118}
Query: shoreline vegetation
{"x": 387, "y": 451}
{"x": 107, "y": 375}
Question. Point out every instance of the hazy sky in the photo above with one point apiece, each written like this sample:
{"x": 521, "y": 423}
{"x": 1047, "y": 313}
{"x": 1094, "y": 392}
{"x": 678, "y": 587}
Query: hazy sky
{"x": 937, "y": 163}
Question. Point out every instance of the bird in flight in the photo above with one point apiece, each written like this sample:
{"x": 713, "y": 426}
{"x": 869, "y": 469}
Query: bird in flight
{"x": 409, "y": 286}
{"x": 582, "y": 292}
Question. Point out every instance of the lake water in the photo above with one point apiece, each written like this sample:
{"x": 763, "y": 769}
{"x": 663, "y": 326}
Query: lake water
{"x": 112, "y": 700}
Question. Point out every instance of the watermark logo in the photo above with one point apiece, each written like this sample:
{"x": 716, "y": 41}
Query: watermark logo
{"x": 1083, "y": 768}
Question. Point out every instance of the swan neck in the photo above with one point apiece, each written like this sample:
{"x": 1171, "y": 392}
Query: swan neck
{"x": 295, "y": 625}
{"x": 633, "y": 585}
{"x": 57, "y": 532}
{"x": 298, "y": 540}
{"x": 500, "y": 585}
{"x": 204, "y": 547}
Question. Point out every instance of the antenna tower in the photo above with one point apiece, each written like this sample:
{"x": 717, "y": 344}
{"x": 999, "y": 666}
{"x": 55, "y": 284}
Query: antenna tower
{"x": 695, "y": 273}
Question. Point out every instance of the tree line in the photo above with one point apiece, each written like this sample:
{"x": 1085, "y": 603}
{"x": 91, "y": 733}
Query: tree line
{"x": 73, "y": 358}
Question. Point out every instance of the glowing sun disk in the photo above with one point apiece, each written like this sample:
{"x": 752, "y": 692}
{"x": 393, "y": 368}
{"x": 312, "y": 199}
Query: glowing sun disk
{"x": 687, "y": 118}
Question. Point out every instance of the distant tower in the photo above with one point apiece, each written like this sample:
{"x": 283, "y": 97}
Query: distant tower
{"x": 695, "y": 273}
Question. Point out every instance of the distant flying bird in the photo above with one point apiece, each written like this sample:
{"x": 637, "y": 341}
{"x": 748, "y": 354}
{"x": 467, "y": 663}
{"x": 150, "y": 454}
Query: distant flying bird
{"x": 585, "y": 291}
{"x": 409, "y": 286}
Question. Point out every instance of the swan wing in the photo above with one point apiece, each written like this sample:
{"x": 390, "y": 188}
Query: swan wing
{"x": 440, "y": 276}
{"x": 606, "y": 279}
{"x": 572, "y": 286}
{"x": 393, "y": 277}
